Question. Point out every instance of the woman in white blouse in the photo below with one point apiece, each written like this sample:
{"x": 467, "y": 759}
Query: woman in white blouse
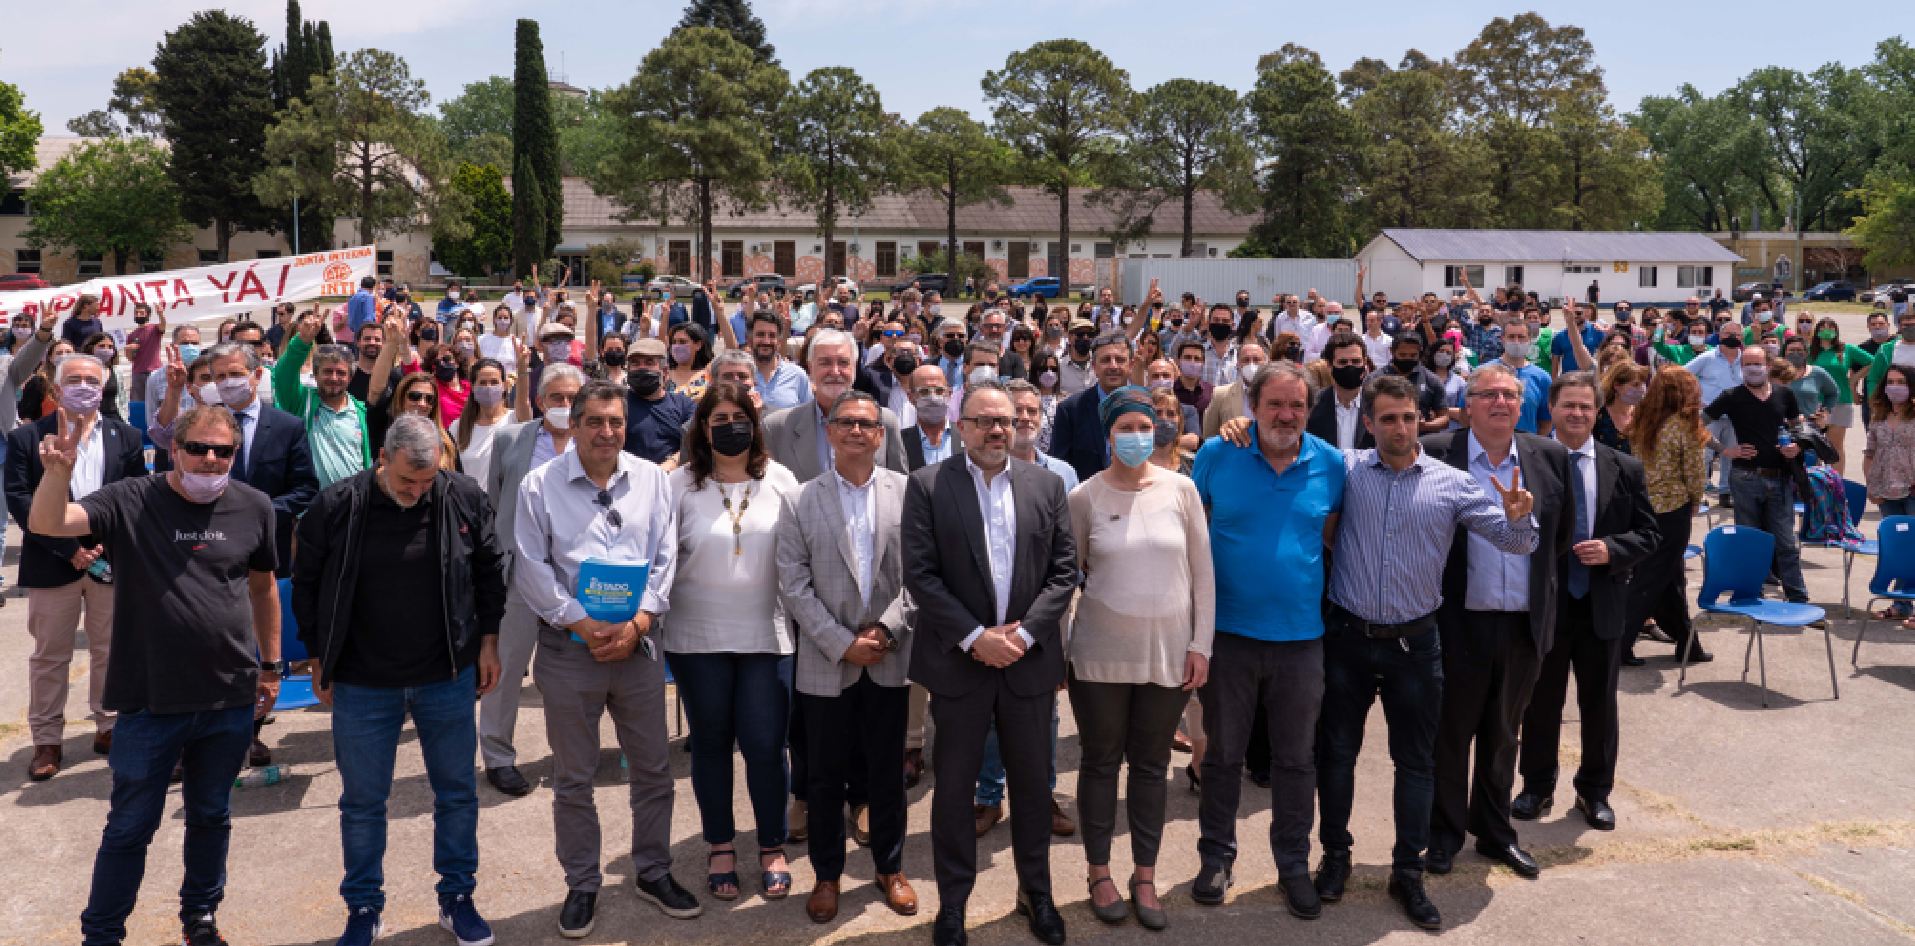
{"x": 726, "y": 637}
{"x": 1139, "y": 645}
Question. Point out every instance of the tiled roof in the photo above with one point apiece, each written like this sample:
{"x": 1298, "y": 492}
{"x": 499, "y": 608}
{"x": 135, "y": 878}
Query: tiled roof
{"x": 1547, "y": 245}
{"x": 46, "y": 153}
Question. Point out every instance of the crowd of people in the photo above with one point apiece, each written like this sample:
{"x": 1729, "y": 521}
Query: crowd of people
{"x": 854, "y": 531}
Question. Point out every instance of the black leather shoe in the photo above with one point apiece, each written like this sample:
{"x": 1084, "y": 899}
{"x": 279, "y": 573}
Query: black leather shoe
{"x": 506, "y": 778}
{"x": 1333, "y": 873}
{"x": 1597, "y": 812}
{"x": 1406, "y": 888}
{"x": 1300, "y": 895}
{"x": 578, "y": 915}
{"x": 1046, "y": 923}
{"x": 1213, "y": 878}
{"x": 1631, "y": 660}
{"x": 1530, "y": 806}
{"x": 1696, "y": 655}
{"x": 948, "y": 929}
{"x": 1439, "y": 860}
{"x": 1513, "y": 857}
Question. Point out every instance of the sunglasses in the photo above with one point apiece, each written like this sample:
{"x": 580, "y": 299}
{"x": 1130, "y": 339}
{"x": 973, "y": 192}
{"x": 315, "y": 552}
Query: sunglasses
{"x": 195, "y": 448}
{"x": 418, "y": 396}
{"x": 611, "y": 515}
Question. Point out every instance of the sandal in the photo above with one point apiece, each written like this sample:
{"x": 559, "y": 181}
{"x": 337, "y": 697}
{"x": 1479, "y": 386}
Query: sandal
{"x": 1909, "y": 624}
{"x": 714, "y": 880}
{"x": 1114, "y": 912}
{"x": 1886, "y": 614}
{"x": 777, "y": 883}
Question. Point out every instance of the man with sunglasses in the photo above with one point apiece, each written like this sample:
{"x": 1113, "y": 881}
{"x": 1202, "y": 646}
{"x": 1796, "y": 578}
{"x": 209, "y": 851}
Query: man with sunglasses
{"x": 194, "y": 554}
{"x": 884, "y": 377}
{"x": 598, "y": 501}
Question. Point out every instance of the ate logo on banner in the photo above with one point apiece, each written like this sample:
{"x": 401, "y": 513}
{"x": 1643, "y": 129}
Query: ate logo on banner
{"x": 337, "y": 281}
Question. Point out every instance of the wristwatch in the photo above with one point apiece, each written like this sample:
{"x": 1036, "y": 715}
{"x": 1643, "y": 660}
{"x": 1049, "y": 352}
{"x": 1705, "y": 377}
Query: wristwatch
{"x": 279, "y": 668}
{"x": 890, "y": 639}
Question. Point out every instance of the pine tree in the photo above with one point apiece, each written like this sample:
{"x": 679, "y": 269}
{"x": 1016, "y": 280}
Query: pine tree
{"x": 218, "y": 98}
{"x": 734, "y": 17}
{"x": 535, "y": 155}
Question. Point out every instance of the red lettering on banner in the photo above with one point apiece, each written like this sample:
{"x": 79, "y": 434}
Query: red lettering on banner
{"x": 61, "y": 303}
{"x": 281, "y": 293}
{"x": 250, "y": 283}
{"x": 224, "y": 287}
{"x": 181, "y": 294}
{"x": 159, "y": 293}
{"x": 136, "y": 294}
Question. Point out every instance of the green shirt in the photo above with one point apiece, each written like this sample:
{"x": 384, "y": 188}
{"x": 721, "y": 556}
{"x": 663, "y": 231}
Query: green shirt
{"x": 1545, "y": 337}
{"x": 1680, "y": 354}
{"x": 1840, "y": 363}
{"x": 1884, "y": 356}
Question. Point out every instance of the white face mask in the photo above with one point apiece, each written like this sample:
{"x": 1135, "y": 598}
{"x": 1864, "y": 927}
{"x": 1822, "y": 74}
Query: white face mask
{"x": 203, "y": 488}
{"x": 560, "y": 418}
{"x": 207, "y": 394}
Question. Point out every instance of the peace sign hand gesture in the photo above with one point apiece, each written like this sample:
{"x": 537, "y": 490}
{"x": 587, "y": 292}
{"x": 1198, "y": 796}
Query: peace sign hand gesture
{"x": 1517, "y": 502}
{"x": 59, "y": 451}
{"x": 175, "y": 368}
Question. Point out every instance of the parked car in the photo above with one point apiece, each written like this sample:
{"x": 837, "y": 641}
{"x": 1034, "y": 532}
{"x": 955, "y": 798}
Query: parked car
{"x": 12, "y": 282}
{"x": 939, "y": 283}
{"x": 832, "y": 284}
{"x": 763, "y": 282}
{"x": 678, "y": 286}
{"x": 1835, "y": 290}
{"x": 1747, "y": 290}
{"x": 1041, "y": 287}
{"x": 1882, "y": 291}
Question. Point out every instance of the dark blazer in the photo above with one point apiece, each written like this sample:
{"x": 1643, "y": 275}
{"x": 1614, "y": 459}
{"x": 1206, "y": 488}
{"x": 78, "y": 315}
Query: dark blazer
{"x": 913, "y": 438}
{"x": 1323, "y": 423}
{"x": 947, "y": 572}
{"x": 1077, "y": 436}
{"x": 280, "y": 464}
{"x": 1626, "y": 522}
{"x": 1545, "y": 467}
{"x": 877, "y": 381}
{"x": 45, "y": 560}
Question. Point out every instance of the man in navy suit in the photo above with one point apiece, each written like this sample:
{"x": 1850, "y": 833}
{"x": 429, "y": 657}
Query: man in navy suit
{"x": 1077, "y": 437}
{"x": 64, "y": 576}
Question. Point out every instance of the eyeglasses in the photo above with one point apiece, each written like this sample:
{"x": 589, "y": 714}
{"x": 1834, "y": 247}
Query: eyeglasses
{"x": 1497, "y": 395}
{"x": 195, "y": 448}
{"x": 991, "y": 423}
{"x": 611, "y": 515}
{"x": 856, "y": 423}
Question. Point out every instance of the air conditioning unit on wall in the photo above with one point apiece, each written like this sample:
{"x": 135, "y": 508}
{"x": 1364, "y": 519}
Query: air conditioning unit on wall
{"x": 754, "y": 249}
{"x": 1037, "y": 247}
{"x": 997, "y": 244}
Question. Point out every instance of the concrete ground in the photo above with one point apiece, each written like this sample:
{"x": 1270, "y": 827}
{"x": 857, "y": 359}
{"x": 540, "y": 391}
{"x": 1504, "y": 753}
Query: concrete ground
{"x": 1738, "y": 825}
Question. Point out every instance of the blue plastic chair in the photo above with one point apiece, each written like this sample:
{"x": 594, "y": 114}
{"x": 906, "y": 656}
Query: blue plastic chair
{"x": 1857, "y": 496}
{"x": 1894, "y": 572}
{"x": 1736, "y": 563}
{"x": 296, "y": 691}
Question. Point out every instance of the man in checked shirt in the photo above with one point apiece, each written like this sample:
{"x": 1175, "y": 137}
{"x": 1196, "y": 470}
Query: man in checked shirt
{"x": 1401, "y": 509}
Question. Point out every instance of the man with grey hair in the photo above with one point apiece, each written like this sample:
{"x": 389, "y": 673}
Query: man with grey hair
{"x": 517, "y": 450}
{"x": 399, "y": 590}
{"x": 948, "y": 335}
{"x": 68, "y": 575}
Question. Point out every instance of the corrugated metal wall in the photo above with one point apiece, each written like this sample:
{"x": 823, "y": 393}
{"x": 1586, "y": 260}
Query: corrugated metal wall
{"x": 1217, "y": 280}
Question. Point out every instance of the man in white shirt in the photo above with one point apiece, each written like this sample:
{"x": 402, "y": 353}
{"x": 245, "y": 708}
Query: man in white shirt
{"x": 1220, "y": 348}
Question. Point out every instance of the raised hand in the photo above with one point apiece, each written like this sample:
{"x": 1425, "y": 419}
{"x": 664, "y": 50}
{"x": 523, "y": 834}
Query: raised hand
{"x": 1517, "y": 502}
{"x": 59, "y": 451}
{"x": 175, "y": 368}
{"x": 309, "y": 328}
{"x": 49, "y": 319}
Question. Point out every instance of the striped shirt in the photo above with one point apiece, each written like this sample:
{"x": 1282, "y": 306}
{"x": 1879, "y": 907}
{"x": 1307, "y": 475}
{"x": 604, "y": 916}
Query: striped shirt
{"x": 1393, "y": 540}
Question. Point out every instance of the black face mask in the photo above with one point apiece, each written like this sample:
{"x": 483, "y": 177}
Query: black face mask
{"x": 615, "y": 357}
{"x": 952, "y": 348}
{"x": 904, "y": 364}
{"x": 1081, "y": 346}
{"x": 1220, "y": 331}
{"x": 141, "y": 320}
{"x": 731, "y": 439}
{"x": 646, "y": 382}
{"x": 1403, "y": 366}
{"x": 1294, "y": 353}
{"x": 429, "y": 335}
{"x": 445, "y": 371}
{"x": 1347, "y": 376}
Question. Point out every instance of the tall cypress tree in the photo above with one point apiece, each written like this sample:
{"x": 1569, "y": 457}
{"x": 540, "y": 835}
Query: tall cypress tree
{"x": 535, "y": 156}
{"x": 306, "y": 54}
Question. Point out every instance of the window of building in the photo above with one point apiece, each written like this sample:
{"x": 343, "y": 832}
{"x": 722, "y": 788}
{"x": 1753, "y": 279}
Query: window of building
{"x": 731, "y": 258}
{"x": 1695, "y": 277}
{"x": 13, "y": 203}
{"x": 208, "y": 257}
{"x": 784, "y": 258}
{"x": 1588, "y": 268}
{"x": 152, "y": 262}
{"x": 678, "y": 258}
{"x": 974, "y": 248}
{"x": 1512, "y": 275}
{"x": 1453, "y": 276}
{"x": 888, "y": 258}
{"x": 836, "y": 267}
{"x": 26, "y": 261}
{"x": 928, "y": 249}
{"x": 1199, "y": 250}
{"x": 1104, "y": 250}
{"x": 268, "y": 254}
{"x": 91, "y": 264}
{"x": 1646, "y": 277}
{"x": 1054, "y": 259}
{"x": 1019, "y": 264}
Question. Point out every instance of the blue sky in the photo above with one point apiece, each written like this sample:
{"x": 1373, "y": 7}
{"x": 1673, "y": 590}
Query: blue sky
{"x": 921, "y": 54}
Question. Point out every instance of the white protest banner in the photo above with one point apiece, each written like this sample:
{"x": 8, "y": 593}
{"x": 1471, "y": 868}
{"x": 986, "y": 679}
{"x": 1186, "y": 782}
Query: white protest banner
{"x": 206, "y": 292}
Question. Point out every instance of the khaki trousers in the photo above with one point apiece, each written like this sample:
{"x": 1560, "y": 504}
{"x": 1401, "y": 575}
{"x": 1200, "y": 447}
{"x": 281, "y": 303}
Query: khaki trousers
{"x": 53, "y": 618}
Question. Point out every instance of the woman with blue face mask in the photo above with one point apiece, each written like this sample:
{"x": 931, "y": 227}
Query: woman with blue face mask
{"x": 1140, "y": 642}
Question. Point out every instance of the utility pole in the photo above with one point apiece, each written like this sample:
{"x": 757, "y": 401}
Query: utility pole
{"x": 1797, "y": 271}
{"x": 295, "y": 206}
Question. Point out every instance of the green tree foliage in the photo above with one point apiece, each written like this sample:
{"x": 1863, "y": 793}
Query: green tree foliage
{"x": 306, "y": 54}
{"x": 1711, "y": 159}
{"x": 478, "y": 126}
{"x": 19, "y": 131}
{"x": 1420, "y": 170}
{"x": 538, "y": 213}
{"x": 487, "y": 246}
{"x": 608, "y": 262}
{"x": 133, "y": 109}
{"x": 1602, "y": 176}
{"x": 836, "y": 143}
{"x": 952, "y": 155}
{"x": 388, "y": 164}
{"x": 1886, "y": 226}
{"x": 111, "y": 197}
{"x": 734, "y": 17}
{"x": 1189, "y": 136}
{"x": 216, "y": 95}
{"x": 1820, "y": 133}
{"x": 1314, "y": 145}
{"x": 98, "y": 123}
{"x": 690, "y": 132}
{"x": 1065, "y": 106}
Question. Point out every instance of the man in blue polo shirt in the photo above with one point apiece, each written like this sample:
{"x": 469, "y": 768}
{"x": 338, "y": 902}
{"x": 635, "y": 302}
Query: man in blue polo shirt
{"x": 1270, "y": 505}
{"x": 1517, "y": 348}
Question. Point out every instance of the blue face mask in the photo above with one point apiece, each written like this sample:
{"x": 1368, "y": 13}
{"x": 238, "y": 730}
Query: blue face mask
{"x": 1133, "y": 449}
{"x": 189, "y": 353}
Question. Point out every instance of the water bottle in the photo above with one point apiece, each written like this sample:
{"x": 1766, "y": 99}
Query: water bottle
{"x": 253, "y": 778}
{"x": 1782, "y": 438}
{"x": 101, "y": 571}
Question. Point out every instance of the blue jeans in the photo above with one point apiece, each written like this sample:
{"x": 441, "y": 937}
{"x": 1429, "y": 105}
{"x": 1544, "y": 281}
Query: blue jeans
{"x": 366, "y": 724}
{"x": 1899, "y": 507}
{"x": 212, "y": 745}
{"x": 741, "y": 700}
{"x": 1768, "y": 503}
{"x": 990, "y": 778}
{"x": 1407, "y": 674}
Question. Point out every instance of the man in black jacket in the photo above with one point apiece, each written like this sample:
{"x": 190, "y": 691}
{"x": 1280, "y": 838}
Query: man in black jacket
{"x": 398, "y": 592}
{"x": 1336, "y": 417}
{"x": 62, "y": 575}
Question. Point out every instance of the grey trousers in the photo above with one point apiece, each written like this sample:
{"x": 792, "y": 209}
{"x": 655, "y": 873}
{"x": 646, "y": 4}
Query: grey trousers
{"x": 577, "y": 691}
{"x": 1286, "y": 677}
{"x": 1118, "y": 723}
{"x": 499, "y": 709}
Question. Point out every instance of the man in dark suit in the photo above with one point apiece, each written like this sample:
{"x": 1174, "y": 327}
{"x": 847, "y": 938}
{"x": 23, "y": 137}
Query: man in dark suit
{"x": 1615, "y": 529}
{"x": 1336, "y": 416}
{"x": 990, "y": 561}
{"x": 887, "y": 378}
{"x": 1077, "y": 436}
{"x": 64, "y": 576}
{"x": 1496, "y": 622}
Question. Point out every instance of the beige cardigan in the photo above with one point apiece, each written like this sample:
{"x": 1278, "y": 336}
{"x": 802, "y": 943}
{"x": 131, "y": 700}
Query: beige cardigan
{"x": 1149, "y": 591}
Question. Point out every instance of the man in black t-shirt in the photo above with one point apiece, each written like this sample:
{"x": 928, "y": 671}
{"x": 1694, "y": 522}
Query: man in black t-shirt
{"x": 655, "y": 418}
{"x": 195, "y": 652}
{"x": 1760, "y": 481}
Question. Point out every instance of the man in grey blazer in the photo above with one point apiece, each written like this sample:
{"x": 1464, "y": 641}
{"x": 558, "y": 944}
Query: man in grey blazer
{"x": 517, "y": 450}
{"x": 842, "y": 577}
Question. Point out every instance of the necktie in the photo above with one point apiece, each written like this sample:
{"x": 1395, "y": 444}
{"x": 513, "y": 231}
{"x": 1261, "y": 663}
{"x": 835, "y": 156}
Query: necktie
{"x": 239, "y": 460}
{"x": 1578, "y": 572}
